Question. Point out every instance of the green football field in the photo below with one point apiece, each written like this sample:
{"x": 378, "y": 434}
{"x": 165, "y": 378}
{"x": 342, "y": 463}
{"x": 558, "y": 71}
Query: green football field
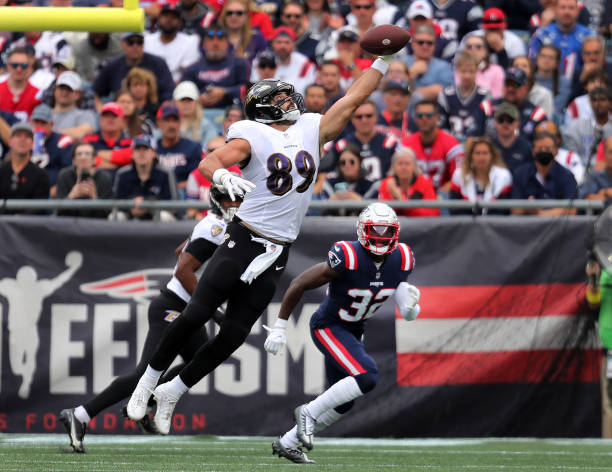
{"x": 51, "y": 452}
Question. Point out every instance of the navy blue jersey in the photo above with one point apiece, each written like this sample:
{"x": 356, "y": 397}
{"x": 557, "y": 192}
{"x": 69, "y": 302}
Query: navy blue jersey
{"x": 464, "y": 116}
{"x": 363, "y": 287}
{"x": 55, "y": 154}
{"x": 375, "y": 154}
{"x": 530, "y": 115}
{"x": 182, "y": 158}
{"x": 457, "y": 17}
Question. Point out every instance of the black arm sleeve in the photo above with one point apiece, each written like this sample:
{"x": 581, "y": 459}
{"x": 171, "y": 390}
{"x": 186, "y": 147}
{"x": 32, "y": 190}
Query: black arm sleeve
{"x": 201, "y": 249}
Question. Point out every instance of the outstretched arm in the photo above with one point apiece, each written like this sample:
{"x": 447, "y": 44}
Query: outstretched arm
{"x": 74, "y": 260}
{"x": 314, "y": 277}
{"x": 336, "y": 118}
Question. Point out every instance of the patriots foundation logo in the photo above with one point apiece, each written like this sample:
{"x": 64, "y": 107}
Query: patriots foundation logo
{"x": 140, "y": 285}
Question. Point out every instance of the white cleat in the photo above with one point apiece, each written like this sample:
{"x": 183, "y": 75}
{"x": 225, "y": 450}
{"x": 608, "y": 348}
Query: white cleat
{"x": 166, "y": 402}
{"x": 137, "y": 406}
{"x": 305, "y": 426}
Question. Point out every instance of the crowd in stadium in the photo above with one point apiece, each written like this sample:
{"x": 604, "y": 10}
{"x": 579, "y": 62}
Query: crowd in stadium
{"x": 491, "y": 99}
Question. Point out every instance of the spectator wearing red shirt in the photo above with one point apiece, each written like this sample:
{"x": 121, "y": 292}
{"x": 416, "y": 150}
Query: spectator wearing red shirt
{"x": 17, "y": 95}
{"x": 437, "y": 151}
{"x": 406, "y": 182}
{"x": 113, "y": 147}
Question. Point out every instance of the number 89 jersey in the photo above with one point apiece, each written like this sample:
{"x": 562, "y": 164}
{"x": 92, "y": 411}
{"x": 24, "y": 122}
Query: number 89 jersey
{"x": 363, "y": 286}
{"x": 283, "y": 166}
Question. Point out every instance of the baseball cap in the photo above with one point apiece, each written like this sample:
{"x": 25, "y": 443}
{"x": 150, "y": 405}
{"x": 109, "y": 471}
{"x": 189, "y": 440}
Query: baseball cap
{"x": 42, "y": 112}
{"x": 506, "y": 108}
{"x": 493, "y": 18}
{"x": 516, "y": 75}
{"x": 143, "y": 140}
{"x": 167, "y": 110}
{"x": 114, "y": 108}
{"x": 348, "y": 33}
{"x": 22, "y": 126}
{"x": 420, "y": 8}
{"x": 283, "y": 31}
{"x": 266, "y": 58}
{"x": 400, "y": 85}
{"x": 129, "y": 35}
{"x": 69, "y": 79}
{"x": 67, "y": 61}
{"x": 186, "y": 89}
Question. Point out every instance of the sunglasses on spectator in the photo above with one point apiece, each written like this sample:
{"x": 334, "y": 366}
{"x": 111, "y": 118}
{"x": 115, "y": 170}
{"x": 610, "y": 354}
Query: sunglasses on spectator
{"x": 364, "y": 115}
{"x": 216, "y": 33}
{"x": 344, "y": 162}
{"x": 297, "y": 16}
{"x": 474, "y": 46}
{"x": 235, "y": 12}
{"x": 505, "y": 119}
{"x": 362, "y": 7}
{"x": 19, "y": 65}
{"x": 422, "y": 42}
{"x": 135, "y": 41}
{"x": 424, "y": 115}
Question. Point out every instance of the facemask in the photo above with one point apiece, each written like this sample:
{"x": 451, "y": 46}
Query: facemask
{"x": 544, "y": 157}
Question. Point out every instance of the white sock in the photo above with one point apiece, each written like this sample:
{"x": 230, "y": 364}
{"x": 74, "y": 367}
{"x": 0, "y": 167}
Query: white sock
{"x": 290, "y": 439}
{"x": 81, "y": 414}
{"x": 176, "y": 387}
{"x": 151, "y": 376}
{"x": 339, "y": 393}
{"x": 328, "y": 418}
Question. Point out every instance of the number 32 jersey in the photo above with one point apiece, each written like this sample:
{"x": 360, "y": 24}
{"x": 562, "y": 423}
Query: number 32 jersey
{"x": 363, "y": 287}
{"x": 283, "y": 166}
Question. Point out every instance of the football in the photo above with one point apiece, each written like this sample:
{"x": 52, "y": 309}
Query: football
{"x": 384, "y": 40}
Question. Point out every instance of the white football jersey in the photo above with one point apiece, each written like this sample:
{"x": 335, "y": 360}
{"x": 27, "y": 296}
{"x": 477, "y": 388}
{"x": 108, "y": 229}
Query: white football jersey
{"x": 283, "y": 166}
{"x": 212, "y": 228}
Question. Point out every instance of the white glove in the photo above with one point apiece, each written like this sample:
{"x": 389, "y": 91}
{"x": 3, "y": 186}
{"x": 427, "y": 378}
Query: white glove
{"x": 407, "y": 298}
{"x": 235, "y": 185}
{"x": 390, "y": 58}
{"x": 276, "y": 340}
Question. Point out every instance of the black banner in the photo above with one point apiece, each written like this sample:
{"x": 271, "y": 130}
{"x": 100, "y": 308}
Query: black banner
{"x": 73, "y": 304}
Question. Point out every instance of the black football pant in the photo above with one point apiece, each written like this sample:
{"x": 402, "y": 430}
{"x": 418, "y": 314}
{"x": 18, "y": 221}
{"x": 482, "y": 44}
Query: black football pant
{"x": 123, "y": 386}
{"x": 221, "y": 281}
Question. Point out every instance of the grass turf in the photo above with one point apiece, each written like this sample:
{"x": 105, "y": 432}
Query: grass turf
{"x": 50, "y": 453}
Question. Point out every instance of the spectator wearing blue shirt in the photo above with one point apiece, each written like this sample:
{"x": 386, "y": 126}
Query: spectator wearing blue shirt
{"x": 176, "y": 154}
{"x": 429, "y": 74}
{"x": 543, "y": 179}
{"x": 144, "y": 179}
{"x": 219, "y": 75}
{"x": 566, "y": 34}
{"x": 110, "y": 78}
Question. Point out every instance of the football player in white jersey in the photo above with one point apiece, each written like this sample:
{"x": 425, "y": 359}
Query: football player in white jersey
{"x": 277, "y": 148}
{"x": 163, "y": 310}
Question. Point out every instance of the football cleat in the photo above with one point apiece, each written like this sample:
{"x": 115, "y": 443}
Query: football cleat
{"x": 74, "y": 428}
{"x": 137, "y": 405}
{"x": 166, "y": 402}
{"x": 294, "y": 455}
{"x": 145, "y": 425}
{"x": 305, "y": 426}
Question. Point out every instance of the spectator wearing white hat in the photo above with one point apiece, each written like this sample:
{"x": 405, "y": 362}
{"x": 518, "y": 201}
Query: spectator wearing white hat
{"x": 194, "y": 125}
{"x": 67, "y": 117}
{"x": 420, "y": 13}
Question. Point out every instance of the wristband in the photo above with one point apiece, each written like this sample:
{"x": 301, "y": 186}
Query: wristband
{"x": 218, "y": 174}
{"x": 593, "y": 298}
{"x": 380, "y": 65}
{"x": 280, "y": 323}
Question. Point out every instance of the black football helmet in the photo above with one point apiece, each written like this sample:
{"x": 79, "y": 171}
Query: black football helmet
{"x": 257, "y": 106}
{"x": 218, "y": 193}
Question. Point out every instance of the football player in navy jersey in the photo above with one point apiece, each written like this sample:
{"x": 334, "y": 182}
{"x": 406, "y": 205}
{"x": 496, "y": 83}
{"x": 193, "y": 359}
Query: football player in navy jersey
{"x": 163, "y": 310}
{"x": 278, "y": 148}
{"x": 361, "y": 275}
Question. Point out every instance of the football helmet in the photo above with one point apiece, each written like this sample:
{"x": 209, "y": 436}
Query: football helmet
{"x": 258, "y": 106}
{"x": 218, "y": 193}
{"x": 378, "y": 228}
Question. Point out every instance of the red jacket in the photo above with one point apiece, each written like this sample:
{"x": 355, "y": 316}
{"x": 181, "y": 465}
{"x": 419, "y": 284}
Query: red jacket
{"x": 422, "y": 185}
